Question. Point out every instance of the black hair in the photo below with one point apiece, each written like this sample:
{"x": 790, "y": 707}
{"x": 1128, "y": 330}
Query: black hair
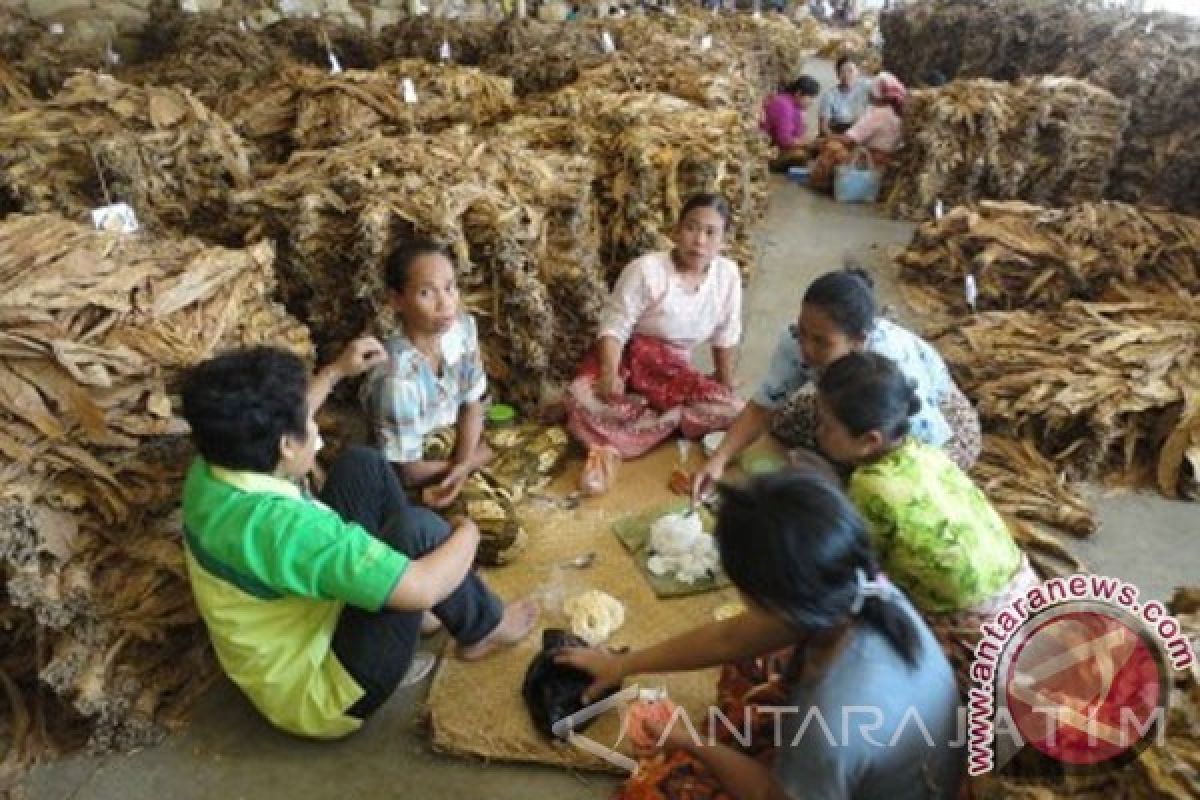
{"x": 400, "y": 262}
{"x": 793, "y": 543}
{"x": 842, "y": 60}
{"x": 868, "y": 392}
{"x": 847, "y": 297}
{"x": 240, "y": 404}
{"x": 806, "y": 85}
{"x": 712, "y": 200}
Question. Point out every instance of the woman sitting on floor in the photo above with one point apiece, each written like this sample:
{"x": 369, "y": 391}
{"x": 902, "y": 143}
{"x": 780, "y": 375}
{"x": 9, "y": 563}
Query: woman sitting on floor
{"x": 935, "y": 532}
{"x": 880, "y": 130}
{"x": 808, "y": 580}
{"x": 783, "y": 121}
{"x": 838, "y": 316}
{"x": 432, "y": 379}
{"x": 638, "y": 385}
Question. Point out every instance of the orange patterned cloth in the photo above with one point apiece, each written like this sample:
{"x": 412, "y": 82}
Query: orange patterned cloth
{"x": 742, "y": 689}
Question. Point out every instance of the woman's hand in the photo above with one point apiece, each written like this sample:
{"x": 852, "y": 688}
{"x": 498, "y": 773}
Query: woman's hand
{"x": 610, "y": 386}
{"x": 605, "y": 666}
{"x": 359, "y": 356}
{"x": 446, "y": 491}
{"x": 706, "y": 480}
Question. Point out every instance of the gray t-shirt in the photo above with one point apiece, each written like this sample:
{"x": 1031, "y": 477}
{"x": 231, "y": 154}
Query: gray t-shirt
{"x": 873, "y": 727}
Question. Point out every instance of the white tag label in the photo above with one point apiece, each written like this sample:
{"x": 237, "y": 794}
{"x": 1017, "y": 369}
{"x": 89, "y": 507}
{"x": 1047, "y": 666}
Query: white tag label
{"x": 57, "y": 29}
{"x": 242, "y": 25}
{"x": 408, "y": 91}
{"x": 606, "y": 41}
{"x": 706, "y": 42}
{"x": 671, "y": 11}
{"x": 1150, "y": 27}
{"x": 335, "y": 66}
{"x": 938, "y": 210}
{"x": 288, "y": 6}
{"x": 970, "y": 290}
{"x": 190, "y": 6}
{"x": 117, "y": 218}
{"x": 444, "y": 51}
{"x": 113, "y": 56}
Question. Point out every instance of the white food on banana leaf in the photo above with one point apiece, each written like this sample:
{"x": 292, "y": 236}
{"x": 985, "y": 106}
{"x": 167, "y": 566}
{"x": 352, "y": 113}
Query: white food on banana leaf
{"x": 680, "y": 549}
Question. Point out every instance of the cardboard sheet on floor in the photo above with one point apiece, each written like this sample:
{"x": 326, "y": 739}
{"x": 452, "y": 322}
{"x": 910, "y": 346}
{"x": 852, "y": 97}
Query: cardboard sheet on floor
{"x": 476, "y": 709}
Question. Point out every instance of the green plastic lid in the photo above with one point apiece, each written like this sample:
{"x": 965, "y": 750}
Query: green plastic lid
{"x": 501, "y": 414}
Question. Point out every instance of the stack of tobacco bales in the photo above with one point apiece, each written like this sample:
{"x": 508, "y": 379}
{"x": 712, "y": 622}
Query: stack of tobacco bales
{"x": 337, "y": 213}
{"x": 214, "y": 56}
{"x": 307, "y": 108}
{"x": 100, "y": 141}
{"x": 1051, "y": 141}
{"x": 468, "y": 40}
{"x": 1103, "y": 377}
{"x": 659, "y": 149}
{"x": 45, "y": 58}
{"x": 96, "y": 609}
{"x": 1151, "y": 60}
{"x": 541, "y": 56}
{"x": 1024, "y": 256}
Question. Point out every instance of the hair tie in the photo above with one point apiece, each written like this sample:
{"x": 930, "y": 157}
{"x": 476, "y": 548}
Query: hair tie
{"x": 879, "y": 588}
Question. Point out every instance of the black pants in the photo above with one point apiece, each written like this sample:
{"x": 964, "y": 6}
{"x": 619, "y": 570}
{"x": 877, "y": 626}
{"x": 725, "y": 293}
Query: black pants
{"x": 376, "y": 647}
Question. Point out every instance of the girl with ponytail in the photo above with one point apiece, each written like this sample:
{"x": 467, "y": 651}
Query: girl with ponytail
{"x": 799, "y": 555}
{"x": 934, "y": 531}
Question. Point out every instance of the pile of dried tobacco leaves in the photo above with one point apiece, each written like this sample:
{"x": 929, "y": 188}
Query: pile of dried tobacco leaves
{"x": 1051, "y": 141}
{"x": 100, "y": 141}
{"x": 103, "y": 644}
{"x": 1150, "y": 59}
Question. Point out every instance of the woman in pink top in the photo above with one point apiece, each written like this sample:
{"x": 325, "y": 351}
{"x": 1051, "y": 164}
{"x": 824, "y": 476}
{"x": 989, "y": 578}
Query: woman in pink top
{"x": 880, "y": 130}
{"x": 638, "y": 385}
{"x": 783, "y": 121}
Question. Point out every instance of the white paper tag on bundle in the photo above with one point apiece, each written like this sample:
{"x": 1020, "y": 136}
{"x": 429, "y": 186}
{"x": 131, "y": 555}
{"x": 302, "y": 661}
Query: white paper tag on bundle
{"x": 289, "y": 6}
{"x": 1150, "y": 27}
{"x": 970, "y": 290}
{"x": 117, "y": 218}
{"x": 189, "y": 6}
{"x": 57, "y": 29}
{"x": 757, "y": 14}
{"x": 112, "y": 56}
{"x": 606, "y": 42}
{"x": 335, "y": 66}
{"x": 408, "y": 91}
{"x": 242, "y": 26}
{"x": 671, "y": 11}
{"x": 938, "y": 210}
{"x": 444, "y": 51}
{"x": 706, "y": 42}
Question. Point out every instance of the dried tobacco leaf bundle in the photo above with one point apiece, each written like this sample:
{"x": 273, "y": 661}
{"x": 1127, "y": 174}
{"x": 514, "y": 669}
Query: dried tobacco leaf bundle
{"x": 1026, "y": 256}
{"x": 307, "y": 108}
{"x": 1048, "y": 140}
{"x": 100, "y": 141}
{"x": 95, "y": 329}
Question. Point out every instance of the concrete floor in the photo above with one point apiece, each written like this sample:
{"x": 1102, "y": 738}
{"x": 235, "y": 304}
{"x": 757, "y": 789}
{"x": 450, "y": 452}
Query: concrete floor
{"x": 229, "y": 752}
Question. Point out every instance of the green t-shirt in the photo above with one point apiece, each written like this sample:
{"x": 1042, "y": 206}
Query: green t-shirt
{"x": 937, "y": 535}
{"x": 271, "y": 570}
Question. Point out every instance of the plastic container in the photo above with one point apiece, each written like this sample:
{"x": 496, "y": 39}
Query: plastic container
{"x": 798, "y": 175}
{"x": 501, "y": 415}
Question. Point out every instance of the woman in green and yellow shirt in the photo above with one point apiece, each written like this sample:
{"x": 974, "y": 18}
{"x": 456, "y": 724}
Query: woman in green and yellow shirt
{"x": 936, "y": 534}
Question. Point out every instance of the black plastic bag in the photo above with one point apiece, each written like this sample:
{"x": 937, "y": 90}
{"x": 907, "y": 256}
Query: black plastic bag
{"x": 554, "y": 691}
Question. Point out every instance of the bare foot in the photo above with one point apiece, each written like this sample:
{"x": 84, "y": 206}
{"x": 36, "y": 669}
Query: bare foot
{"x": 519, "y": 618}
{"x": 430, "y": 624}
